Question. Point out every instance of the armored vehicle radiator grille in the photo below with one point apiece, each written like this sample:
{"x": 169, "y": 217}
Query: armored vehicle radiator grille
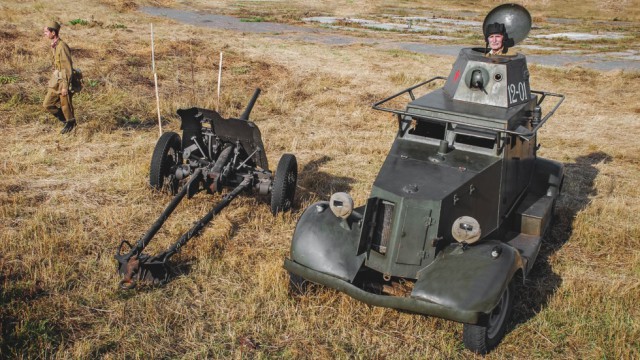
{"x": 384, "y": 222}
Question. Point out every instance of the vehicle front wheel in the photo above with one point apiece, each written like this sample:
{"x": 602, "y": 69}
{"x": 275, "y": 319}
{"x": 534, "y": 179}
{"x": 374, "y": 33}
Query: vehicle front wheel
{"x": 284, "y": 184}
{"x": 483, "y": 337}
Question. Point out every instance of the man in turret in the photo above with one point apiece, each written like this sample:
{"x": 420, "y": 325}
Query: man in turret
{"x": 58, "y": 98}
{"x": 497, "y": 40}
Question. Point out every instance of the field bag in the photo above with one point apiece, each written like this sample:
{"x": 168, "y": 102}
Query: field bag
{"x": 76, "y": 81}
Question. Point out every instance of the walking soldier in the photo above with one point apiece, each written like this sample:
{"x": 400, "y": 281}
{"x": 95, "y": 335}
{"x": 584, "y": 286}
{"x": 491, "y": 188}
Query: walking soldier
{"x": 58, "y": 99}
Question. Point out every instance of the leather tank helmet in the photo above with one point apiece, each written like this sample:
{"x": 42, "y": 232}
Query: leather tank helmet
{"x": 498, "y": 28}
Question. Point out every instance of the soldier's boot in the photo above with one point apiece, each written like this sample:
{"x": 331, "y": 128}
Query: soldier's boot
{"x": 68, "y": 126}
{"x": 60, "y": 116}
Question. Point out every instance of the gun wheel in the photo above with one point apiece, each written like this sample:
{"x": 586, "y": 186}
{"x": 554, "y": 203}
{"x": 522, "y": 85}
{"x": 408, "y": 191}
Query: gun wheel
{"x": 166, "y": 157}
{"x": 485, "y": 336}
{"x": 284, "y": 184}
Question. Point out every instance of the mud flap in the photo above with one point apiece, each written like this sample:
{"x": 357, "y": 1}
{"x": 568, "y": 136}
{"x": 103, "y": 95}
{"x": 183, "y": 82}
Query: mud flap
{"x": 547, "y": 177}
{"x": 469, "y": 280}
{"x": 326, "y": 243}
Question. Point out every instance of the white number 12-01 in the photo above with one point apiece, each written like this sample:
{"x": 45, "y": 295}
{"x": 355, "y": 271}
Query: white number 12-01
{"x": 519, "y": 93}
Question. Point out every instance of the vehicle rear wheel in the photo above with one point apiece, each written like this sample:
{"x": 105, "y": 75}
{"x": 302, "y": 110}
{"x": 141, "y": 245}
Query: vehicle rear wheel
{"x": 166, "y": 157}
{"x": 284, "y": 184}
{"x": 485, "y": 336}
{"x": 297, "y": 284}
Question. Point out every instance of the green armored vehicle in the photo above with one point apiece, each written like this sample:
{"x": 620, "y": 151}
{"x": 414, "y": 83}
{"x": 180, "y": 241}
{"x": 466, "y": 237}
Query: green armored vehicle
{"x": 459, "y": 208}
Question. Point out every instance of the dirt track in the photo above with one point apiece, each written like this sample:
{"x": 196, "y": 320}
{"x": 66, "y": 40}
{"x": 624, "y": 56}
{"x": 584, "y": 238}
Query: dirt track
{"x": 625, "y": 60}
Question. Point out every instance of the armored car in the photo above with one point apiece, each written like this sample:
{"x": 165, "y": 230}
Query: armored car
{"x": 460, "y": 206}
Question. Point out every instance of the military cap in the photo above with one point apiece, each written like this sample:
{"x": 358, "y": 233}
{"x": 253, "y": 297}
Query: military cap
{"x": 54, "y": 25}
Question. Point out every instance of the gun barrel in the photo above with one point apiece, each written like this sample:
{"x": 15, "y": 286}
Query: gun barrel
{"x": 247, "y": 111}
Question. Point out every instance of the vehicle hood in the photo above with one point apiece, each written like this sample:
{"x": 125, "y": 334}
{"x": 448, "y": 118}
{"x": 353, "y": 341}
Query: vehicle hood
{"x": 414, "y": 170}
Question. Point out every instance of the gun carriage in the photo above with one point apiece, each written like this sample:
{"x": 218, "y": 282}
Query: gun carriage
{"x": 213, "y": 154}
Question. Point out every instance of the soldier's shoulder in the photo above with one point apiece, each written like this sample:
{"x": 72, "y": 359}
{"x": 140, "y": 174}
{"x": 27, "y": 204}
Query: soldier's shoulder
{"x": 63, "y": 44}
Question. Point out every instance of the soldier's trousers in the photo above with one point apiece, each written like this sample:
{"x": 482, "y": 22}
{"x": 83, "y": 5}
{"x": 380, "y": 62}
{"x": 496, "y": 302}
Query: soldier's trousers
{"x": 59, "y": 105}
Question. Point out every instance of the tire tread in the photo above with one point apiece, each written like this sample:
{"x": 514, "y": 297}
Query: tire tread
{"x": 280, "y": 192}
{"x": 157, "y": 169}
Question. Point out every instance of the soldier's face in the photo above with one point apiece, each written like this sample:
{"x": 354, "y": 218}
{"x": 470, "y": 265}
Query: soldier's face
{"x": 495, "y": 41}
{"x": 48, "y": 34}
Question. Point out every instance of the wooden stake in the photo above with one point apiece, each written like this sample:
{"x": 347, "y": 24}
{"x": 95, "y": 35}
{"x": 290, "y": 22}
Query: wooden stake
{"x": 219, "y": 81}
{"x": 155, "y": 81}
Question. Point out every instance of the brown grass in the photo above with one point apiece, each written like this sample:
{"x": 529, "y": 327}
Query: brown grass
{"x": 67, "y": 201}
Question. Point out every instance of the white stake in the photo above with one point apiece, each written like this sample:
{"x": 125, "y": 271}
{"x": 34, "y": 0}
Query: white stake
{"x": 153, "y": 55}
{"x": 155, "y": 81}
{"x": 219, "y": 81}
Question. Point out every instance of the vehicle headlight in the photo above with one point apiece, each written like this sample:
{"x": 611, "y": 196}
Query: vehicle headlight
{"x": 341, "y": 204}
{"x": 466, "y": 229}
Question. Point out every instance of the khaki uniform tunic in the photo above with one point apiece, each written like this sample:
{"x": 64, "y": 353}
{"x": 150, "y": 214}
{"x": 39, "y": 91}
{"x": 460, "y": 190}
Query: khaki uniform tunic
{"x": 60, "y": 79}
{"x": 500, "y": 53}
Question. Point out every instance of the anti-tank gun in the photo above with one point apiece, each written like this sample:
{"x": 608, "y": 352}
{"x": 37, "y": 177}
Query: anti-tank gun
{"x": 459, "y": 208}
{"x": 214, "y": 153}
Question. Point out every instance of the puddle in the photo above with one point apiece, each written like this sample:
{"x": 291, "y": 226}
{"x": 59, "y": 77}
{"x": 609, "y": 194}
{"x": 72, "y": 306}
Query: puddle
{"x": 600, "y": 61}
{"x": 321, "y": 19}
{"x": 581, "y": 36}
{"x": 403, "y": 23}
{"x": 561, "y": 21}
{"x": 572, "y": 51}
{"x": 403, "y": 27}
{"x": 221, "y": 21}
{"x": 629, "y": 55}
{"x": 474, "y": 24}
{"x": 615, "y": 23}
{"x": 597, "y": 22}
{"x": 538, "y": 47}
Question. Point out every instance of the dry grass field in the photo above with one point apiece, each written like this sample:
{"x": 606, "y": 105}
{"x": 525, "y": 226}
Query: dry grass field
{"x": 67, "y": 201}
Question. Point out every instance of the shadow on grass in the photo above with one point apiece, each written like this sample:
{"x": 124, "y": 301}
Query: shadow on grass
{"x": 319, "y": 185}
{"x": 181, "y": 264}
{"x": 542, "y": 283}
{"x": 21, "y": 334}
{"x": 133, "y": 123}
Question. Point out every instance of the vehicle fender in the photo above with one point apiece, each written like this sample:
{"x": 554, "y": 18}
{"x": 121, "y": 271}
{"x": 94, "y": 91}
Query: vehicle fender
{"x": 471, "y": 279}
{"x": 326, "y": 243}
